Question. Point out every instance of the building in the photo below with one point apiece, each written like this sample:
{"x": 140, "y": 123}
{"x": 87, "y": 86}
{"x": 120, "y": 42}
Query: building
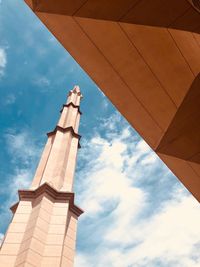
{"x": 145, "y": 56}
{"x": 43, "y": 228}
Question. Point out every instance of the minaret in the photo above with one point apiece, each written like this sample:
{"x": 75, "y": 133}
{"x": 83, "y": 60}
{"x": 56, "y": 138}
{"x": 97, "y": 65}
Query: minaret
{"x": 42, "y": 232}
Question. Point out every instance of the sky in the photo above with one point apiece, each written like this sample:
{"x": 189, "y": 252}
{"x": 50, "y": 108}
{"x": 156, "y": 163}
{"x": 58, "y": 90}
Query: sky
{"x": 137, "y": 213}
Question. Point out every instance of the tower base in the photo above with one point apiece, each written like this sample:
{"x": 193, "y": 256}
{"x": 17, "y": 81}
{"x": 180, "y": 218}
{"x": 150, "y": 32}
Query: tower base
{"x": 42, "y": 231}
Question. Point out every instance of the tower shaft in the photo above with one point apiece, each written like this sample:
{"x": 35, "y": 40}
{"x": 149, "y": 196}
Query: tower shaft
{"x": 43, "y": 228}
{"x": 58, "y": 160}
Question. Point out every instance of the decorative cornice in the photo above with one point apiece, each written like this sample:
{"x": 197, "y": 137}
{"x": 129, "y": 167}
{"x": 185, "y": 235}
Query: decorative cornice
{"x": 72, "y": 104}
{"x": 53, "y": 193}
{"x": 64, "y": 130}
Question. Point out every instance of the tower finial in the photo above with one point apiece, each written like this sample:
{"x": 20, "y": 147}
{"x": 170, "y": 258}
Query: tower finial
{"x": 76, "y": 90}
{"x": 75, "y": 96}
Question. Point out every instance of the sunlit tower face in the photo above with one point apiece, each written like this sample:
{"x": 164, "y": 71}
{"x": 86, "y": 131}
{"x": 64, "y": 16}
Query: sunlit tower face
{"x": 44, "y": 224}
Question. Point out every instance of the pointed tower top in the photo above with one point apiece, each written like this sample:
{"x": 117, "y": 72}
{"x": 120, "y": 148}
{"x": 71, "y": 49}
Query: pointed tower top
{"x": 74, "y": 96}
{"x": 76, "y": 90}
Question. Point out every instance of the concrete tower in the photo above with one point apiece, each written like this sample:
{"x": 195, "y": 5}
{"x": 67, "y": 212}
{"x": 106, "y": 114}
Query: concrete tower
{"x": 43, "y": 228}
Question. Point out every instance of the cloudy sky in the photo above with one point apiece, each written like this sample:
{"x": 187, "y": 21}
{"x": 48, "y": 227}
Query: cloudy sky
{"x": 137, "y": 213}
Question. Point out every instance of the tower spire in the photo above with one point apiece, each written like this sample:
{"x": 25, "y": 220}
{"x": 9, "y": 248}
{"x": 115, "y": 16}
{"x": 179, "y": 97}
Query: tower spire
{"x": 57, "y": 164}
{"x": 75, "y": 96}
{"x": 43, "y": 228}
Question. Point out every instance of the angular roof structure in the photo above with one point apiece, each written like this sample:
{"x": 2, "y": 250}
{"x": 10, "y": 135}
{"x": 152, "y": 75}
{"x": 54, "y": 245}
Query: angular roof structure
{"x": 145, "y": 57}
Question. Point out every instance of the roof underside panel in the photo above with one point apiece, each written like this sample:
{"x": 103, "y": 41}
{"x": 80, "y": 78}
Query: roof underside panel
{"x": 145, "y": 56}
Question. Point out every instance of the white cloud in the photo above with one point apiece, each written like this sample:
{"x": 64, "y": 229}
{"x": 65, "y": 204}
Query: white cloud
{"x": 170, "y": 235}
{"x": 3, "y": 61}
{"x": 142, "y": 147}
{"x": 22, "y": 147}
{"x": 21, "y": 180}
{"x": 150, "y": 159}
{"x": 24, "y": 152}
{"x": 135, "y": 213}
{"x": 105, "y": 104}
{"x": 42, "y": 81}
{"x": 10, "y": 99}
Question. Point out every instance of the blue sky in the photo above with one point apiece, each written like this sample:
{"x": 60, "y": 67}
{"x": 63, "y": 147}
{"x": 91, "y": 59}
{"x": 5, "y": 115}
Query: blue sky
{"x": 136, "y": 212}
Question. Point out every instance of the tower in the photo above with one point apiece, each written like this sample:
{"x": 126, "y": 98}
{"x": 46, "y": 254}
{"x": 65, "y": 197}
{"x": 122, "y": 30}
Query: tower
{"x": 43, "y": 228}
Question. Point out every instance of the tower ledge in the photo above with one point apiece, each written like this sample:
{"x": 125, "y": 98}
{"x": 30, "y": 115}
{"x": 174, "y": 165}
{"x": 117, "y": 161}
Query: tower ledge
{"x": 71, "y": 104}
{"x": 49, "y": 191}
{"x": 64, "y": 130}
